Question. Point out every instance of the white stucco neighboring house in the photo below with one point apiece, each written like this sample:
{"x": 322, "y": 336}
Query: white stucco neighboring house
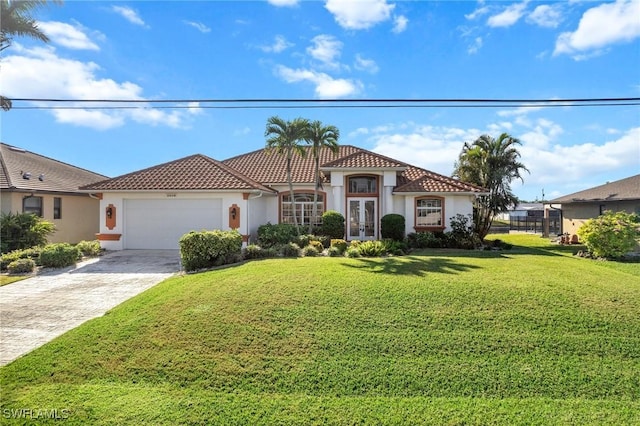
{"x": 154, "y": 207}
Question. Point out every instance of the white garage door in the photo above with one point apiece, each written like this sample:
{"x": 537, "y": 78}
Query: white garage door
{"x": 159, "y": 224}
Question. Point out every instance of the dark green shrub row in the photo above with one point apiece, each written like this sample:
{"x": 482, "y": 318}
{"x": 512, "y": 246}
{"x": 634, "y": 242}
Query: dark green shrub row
{"x": 332, "y": 224}
{"x": 206, "y": 249}
{"x": 392, "y": 226}
{"x": 7, "y": 258}
{"x": 59, "y": 255}
{"x": 89, "y": 248}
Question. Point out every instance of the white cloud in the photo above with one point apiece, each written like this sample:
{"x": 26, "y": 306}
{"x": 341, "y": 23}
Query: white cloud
{"x": 400, "y": 24}
{"x": 359, "y": 14}
{"x": 363, "y": 64}
{"x": 129, "y": 14}
{"x": 545, "y": 15}
{"x": 198, "y": 26}
{"x": 509, "y": 16}
{"x": 473, "y": 48}
{"x": 482, "y": 10}
{"x": 326, "y": 87}
{"x": 279, "y": 44}
{"x": 72, "y": 79}
{"x": 66, "y": 35}
{"x": 283, "y": 3}
{"x": 601, "y": 26}
{"x": 325, "y": 49}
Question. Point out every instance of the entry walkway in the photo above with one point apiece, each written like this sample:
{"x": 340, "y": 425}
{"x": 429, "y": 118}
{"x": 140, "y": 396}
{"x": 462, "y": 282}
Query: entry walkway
{"x": 36, "y": 310}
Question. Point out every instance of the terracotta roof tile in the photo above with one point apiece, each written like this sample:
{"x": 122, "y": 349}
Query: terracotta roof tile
{"x": 56, "y": 175}
{"x": 415, "y": 179}
{"x": 196, "y": 172}
{"x": 365, "y": 160}
{"x": 623, "y": 189}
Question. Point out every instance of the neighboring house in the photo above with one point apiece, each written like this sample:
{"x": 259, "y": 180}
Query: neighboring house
{"x": 154, "y": 207}
{"x": 32, "y": 183}
{"x": 577, "y": 208}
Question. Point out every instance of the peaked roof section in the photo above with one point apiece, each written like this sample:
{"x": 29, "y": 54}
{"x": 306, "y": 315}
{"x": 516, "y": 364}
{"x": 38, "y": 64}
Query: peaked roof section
{"x": 44, "y": 173}
{"x": 363, "y": 159}
{"x": 271, "y": 168}
{"x": 624, "y": 189}
{"x": 415, "y": 179}
{"x": 196, "y": 172}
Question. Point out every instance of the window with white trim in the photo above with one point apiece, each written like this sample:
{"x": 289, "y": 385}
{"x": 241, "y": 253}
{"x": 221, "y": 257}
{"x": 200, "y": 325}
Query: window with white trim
{"x": 429, "y": 212}
{"x": 304, "y": 208}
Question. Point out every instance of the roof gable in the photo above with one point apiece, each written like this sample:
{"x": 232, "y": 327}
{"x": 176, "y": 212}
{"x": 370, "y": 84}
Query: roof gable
{"x": 24, "y": 170}
{"x": 623, "y": 189}
{"x": 416, "y": 179}
{"x": 363, "y": 159}
{"x": 196, "y": 172}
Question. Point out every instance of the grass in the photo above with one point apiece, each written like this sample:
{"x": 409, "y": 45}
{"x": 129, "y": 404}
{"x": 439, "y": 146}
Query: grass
{"x": 8, "y": 279}
{"x": 526, "y": 336}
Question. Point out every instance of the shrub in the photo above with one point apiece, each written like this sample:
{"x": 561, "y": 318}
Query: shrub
{"x": 371, "y": 248}
{"x": 392, "y": 226}
{"x": 205, "y": 249}
{"x": 340, "y": 244}
{"x": 59, "y": 255}
{"x": 89, "y": 248}
{"x": 334, "y": 251}
{"x": 611, "y": 235}
{"x": 332, "y": 224}
{"x": 462, "y": 234}
{"x": 7, "y": 258}
{"x": 21, "y": 266}
{"x": 424, "y": 240}
{"x": 353, "y": 252}
{"x": 23, "y": 230}
{"x": 254, "y": 251}
{"x": 291, "y": 250}
{"x": 270, "y": 235}
{"x": 310, "y": 251}
{"x": 397, "y": 248}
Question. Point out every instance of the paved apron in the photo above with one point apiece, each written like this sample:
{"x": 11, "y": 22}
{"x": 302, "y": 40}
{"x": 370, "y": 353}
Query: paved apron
{"x": 38, "y": 309}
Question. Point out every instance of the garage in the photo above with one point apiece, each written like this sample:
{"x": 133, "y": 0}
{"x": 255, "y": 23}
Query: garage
{"x": 159, "y": 223}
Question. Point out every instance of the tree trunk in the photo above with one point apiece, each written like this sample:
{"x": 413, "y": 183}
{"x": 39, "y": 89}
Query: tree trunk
{"x": 292, "y": 195}
{"x": 314, "y": 210}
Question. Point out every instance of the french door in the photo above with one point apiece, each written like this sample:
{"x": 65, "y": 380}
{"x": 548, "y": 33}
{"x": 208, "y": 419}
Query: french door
{"x": 362, "y": 218}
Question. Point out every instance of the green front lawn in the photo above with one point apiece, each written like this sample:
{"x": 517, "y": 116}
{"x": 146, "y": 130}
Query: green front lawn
{"x": 526, "y": 336}
{"x": 8, "y": 279}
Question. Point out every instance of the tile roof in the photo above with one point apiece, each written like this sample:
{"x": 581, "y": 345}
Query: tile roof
{"x": 56, "y": 175}
{"x": 415, "y": 179}
{"x": 624, "y": 189}
{"x": 365, "y": 160}
{"x": 196, "y": 172}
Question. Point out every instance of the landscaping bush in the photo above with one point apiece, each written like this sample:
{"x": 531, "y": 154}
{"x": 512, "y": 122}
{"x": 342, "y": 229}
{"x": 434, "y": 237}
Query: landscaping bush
{"x": 7, "y": 258}
{"x": 462, "y": 234}
{"x": 397, "y": 248}
{"x": 23, "y": 230}
{"x": 291, "y": 250}
{"x": 205, "y": 249}
{"x": 611, "y": 235}
{"x": 371, "y": 248}
{"x": 21, "y": 266}
{"x": 334, "y": 251}
{"x": 59, "y": 255}
{"x": 340, "y": 244}
{"x": 424, "y": 240}
{"x": 332, "y": 224}
{"x": 270, "y": 235}
{"x": 392, "y": 226}
{"x": 89, "y": 248}
{"x": 310, "y": 251}
{"x": 353, "y": 252}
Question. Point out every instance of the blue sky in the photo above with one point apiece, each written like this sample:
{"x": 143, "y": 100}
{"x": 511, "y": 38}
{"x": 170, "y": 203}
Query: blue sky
{"x": 154, "y": 50}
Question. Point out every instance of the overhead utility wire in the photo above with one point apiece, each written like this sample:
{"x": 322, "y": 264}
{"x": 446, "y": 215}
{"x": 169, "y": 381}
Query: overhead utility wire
{"x": 374, "y": 100}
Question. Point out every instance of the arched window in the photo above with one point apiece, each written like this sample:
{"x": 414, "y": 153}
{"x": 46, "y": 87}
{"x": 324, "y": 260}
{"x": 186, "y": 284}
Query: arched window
{"x": 303, "y": 203}
{"x": 363, "y": 185}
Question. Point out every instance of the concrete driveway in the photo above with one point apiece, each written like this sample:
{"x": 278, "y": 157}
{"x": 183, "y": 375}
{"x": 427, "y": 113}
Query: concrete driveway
{"x": 38, "y": 309}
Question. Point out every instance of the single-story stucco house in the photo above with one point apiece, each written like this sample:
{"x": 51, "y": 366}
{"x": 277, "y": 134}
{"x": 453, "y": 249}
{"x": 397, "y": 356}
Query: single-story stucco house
{"x": 577, "y": 208}
{"x": 33, "y": 183}
{"x": 154, "y": 207}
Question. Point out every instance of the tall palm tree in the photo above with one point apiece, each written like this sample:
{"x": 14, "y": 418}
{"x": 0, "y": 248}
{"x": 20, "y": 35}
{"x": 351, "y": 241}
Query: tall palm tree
{"x": 492, "y": 164}
{"x": 283, "y": 137}
{"x": 16, "y": 20}
{"x": 320, "y": 137}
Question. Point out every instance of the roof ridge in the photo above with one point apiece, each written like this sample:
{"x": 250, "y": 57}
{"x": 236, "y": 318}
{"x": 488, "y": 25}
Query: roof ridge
{"x": 234, "y": 172}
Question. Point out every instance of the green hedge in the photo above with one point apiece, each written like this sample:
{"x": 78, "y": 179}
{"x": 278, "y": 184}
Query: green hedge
{"x": 7, "y": 258}
{"x": 59, "y": 255}
{"x": 332, "y": 224}
{"x": 392, "y": 226}
{"x": 205, "y": 249}
{"x": 21, "y": 266}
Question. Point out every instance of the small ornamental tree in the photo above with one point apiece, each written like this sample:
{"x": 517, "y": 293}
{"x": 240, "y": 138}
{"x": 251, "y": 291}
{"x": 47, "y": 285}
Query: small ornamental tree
{"x": 611, "y": 235}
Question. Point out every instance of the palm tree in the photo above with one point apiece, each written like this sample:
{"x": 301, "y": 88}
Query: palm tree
{"x": 492, "y": 164}
{"x": 16, "y": 20}
{"x": 283, "y": 137}
{"x": 320, "y": 137}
